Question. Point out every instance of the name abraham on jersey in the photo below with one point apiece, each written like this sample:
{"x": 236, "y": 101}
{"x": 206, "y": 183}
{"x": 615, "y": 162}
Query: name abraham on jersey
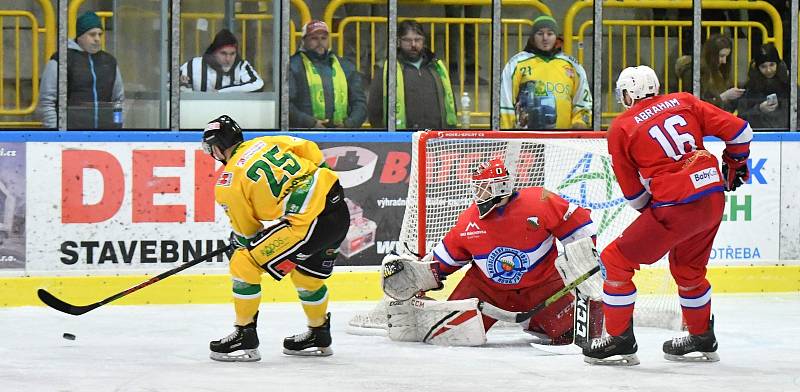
{"x": 653, "y": 110}
{"x": 507, "y": 265}
{"x": 475, "y": 230}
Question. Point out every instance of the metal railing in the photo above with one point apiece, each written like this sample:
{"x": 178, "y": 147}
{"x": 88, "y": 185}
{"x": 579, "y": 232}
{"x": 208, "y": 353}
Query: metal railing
{"x": 617, "y": 36}
{"x": 511, "y": 28}
{"x": 655, "y": 49}
{"x": 32, "y": 27}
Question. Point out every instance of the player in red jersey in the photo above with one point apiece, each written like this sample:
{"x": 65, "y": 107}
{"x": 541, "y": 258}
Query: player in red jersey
{"x": 509, "y": 238}
{"x": 664, "y": 171}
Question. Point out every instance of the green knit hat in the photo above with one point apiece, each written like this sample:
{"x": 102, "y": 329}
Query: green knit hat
{"x": 544, "y": 21}
{"x": 86, "y": 22}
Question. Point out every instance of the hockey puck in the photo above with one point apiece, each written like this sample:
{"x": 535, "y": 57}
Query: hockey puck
{"x": 68, "y": 336}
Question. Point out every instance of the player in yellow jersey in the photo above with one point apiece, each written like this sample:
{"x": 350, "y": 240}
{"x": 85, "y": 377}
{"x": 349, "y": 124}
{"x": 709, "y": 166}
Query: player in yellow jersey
{"x": 542, "y": 88}
{"x": 288, "y": 215}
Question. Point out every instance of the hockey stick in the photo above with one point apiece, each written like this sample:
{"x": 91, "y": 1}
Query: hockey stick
{"x": 518, "y": 317}
{"x": 77, "y": 310}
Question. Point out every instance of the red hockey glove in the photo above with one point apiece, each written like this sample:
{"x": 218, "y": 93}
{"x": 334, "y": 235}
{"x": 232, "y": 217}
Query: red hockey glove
{"x": 734, "y": 171}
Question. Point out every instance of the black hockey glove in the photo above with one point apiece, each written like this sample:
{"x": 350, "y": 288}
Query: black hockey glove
{"x": 734, "y": 171}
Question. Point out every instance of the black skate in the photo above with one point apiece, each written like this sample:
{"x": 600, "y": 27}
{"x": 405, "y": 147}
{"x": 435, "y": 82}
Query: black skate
{"x": 239, "y": 346}
{"x": 703, "y": 347}
{"x": 318, "y": 339}
{"x": 613, "y": 350}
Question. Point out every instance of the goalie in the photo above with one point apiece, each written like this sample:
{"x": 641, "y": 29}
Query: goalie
{"x": 509, "y": 238}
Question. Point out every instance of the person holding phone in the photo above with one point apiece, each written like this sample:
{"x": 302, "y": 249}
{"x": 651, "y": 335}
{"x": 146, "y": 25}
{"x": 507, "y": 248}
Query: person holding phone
{"x": 765, "y": 103}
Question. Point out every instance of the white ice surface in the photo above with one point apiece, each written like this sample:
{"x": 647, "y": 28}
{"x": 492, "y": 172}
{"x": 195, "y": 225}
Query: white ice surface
{"x": 165, "y": 348}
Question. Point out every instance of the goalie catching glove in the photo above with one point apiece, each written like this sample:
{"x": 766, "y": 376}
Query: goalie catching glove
{"x": 404, "y": 276}
{"x": 734, "y": 171}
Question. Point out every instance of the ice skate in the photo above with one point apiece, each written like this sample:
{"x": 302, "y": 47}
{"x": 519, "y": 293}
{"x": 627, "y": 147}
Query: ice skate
{"x": 239, "y": 346}
{"x": 315, "y": 342}
{"x": 613, "y": 350}
{"x": 693, "y": 348}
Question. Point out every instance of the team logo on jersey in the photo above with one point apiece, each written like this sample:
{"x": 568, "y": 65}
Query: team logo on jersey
{"x": 507, "y": 265}
{"x": 569, "y": 72}
{"x": 472, "y": 230}
{"x": 225, "y": 179}
{"x": 534, "y": 221}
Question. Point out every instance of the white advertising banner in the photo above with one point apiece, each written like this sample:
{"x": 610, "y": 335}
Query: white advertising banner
{"x": 750, "y": 230}
{"x": 113, "y": 207}
{"x": 117, "y": 206}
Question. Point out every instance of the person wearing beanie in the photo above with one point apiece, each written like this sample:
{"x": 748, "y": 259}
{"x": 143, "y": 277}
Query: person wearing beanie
{"x": 542, "y": 88}
{"x": 325, "y": 90}
{"x": 94, "y": 82}
{"x": 220, "y": 69}
{"x": 765, "y": 102}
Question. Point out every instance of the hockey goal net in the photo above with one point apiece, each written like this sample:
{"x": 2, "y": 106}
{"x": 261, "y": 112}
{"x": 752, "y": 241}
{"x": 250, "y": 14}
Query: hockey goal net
{"x": 575, "y": 165}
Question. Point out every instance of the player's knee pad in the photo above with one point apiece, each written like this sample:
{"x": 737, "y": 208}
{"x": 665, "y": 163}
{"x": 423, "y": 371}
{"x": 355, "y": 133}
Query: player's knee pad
{"x": 306, "y": 282}
{"x": 243, "y": 268}
{"x": 688, "y": 278}
{"x": 618, "y": 268}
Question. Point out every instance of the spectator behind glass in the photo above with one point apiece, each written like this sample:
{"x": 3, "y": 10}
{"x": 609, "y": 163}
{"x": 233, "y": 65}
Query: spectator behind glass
{"x": 220, "y": 69}
{"x": 325, "y": 91}
{"x": 542, "y": 88}
{"x": 716, "y": 80}
{"x": 767, "y": 76}
{"x": 424, "y": 94}
{"x": 94, "y": 83}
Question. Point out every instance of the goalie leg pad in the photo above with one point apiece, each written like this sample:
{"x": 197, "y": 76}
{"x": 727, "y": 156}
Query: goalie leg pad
{"x": 443, "y": 323}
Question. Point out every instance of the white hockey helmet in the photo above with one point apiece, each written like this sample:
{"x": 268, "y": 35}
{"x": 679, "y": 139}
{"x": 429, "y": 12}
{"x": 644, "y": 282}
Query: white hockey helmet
{"x": 490, "y": 184}
{"x": 640, "y": 82}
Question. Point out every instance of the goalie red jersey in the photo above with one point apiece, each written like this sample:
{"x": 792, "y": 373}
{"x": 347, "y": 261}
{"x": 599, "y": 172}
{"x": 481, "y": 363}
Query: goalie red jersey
{"x": 657, "y": 149}
{"x": 514, "y": 247}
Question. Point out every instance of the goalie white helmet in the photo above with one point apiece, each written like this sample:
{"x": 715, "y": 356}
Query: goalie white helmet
{"x": 640, "y": 82}
{"x": 490, "y": 184}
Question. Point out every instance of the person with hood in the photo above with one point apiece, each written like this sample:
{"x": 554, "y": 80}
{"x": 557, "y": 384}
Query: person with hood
{"x": 424, "y": 94}
{"x": 94, "y": 82}
{"x": 325, "y": 90}
{"x": 765, "y": 103}
{"x": 542, "y": 88}
{"x": 220, "y": 69}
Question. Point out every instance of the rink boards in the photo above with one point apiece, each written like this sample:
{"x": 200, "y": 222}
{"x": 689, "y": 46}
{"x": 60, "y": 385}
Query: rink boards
{"x": 84, "y": 214}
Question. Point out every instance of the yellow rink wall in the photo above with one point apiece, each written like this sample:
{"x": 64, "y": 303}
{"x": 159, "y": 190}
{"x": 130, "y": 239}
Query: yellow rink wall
{"x": 343, "y": 286}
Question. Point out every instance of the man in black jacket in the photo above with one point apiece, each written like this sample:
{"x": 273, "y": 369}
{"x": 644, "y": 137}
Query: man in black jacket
{"x": 94, "y": 84}
{"x": 425, "y": 96}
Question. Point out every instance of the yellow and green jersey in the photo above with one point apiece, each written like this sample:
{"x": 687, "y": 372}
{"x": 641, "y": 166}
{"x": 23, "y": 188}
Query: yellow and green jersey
{"x": 273, "y": 177}
{"x": 561, "y": 76}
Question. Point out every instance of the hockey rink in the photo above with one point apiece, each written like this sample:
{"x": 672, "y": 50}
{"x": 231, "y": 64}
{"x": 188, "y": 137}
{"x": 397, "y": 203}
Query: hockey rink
{"x": 165, "y": 348}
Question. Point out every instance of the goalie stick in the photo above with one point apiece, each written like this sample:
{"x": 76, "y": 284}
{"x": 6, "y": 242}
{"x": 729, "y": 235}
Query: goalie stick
{"x": 518, "y": 317}
{"x": 77, "y": 310}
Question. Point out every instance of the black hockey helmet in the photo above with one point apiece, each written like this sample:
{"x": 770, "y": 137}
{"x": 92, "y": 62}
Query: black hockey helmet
{"x": 222, "y": 132}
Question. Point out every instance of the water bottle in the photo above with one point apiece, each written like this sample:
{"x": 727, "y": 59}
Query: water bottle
{"x": 466, "y": 105}
{"x": 118, "y": 114}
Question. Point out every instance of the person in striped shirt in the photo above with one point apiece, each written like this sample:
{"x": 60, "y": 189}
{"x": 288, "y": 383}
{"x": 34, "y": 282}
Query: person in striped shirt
{"x": 220, "y": 69}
